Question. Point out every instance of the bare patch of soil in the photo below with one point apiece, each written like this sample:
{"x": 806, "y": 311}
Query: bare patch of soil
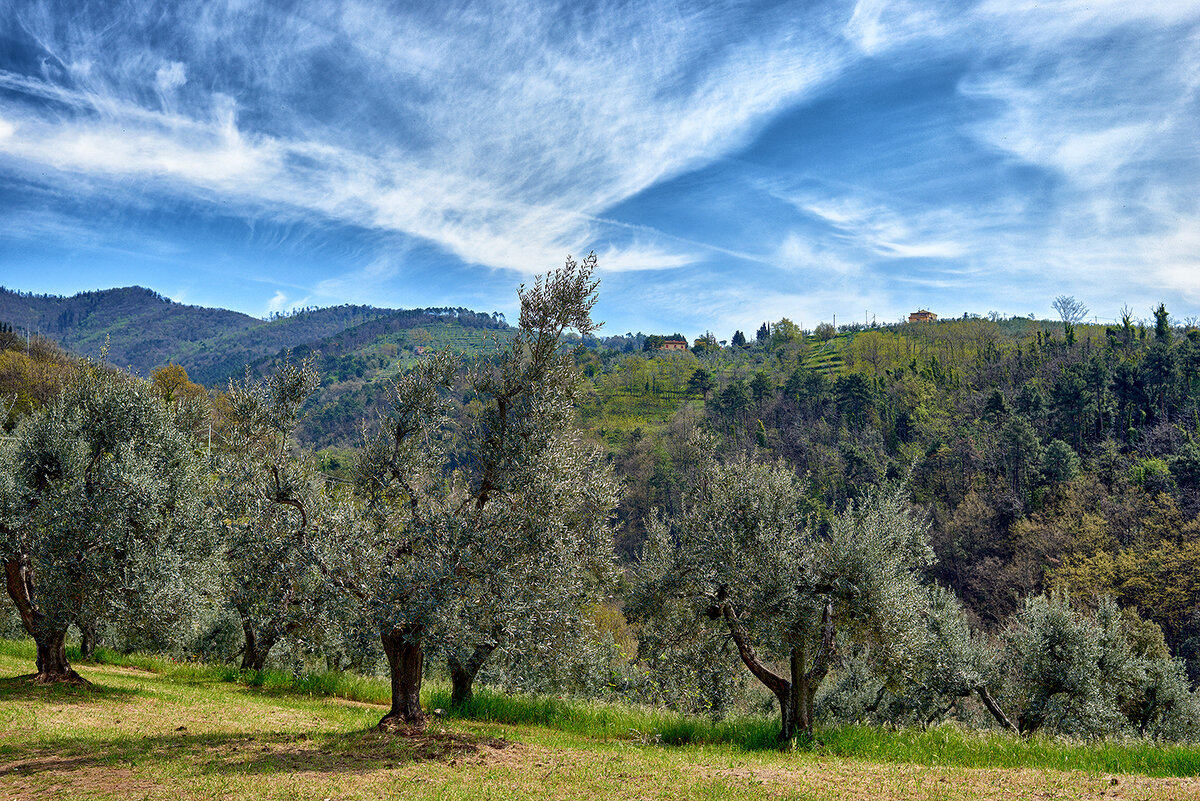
{"x": 898, "y": 782}
{"x": 430, "y": 742}
{"x": 359, "y": 704}
{"x": 360, "y": 753}
{"x": 71, "y": 780}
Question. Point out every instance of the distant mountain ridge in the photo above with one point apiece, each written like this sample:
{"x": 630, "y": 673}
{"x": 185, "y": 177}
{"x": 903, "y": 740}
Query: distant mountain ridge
{"x": 145, "y": 330}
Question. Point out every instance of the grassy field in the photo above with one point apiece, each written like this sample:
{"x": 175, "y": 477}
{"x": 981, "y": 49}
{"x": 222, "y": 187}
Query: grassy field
{"x": 148, "y": 729}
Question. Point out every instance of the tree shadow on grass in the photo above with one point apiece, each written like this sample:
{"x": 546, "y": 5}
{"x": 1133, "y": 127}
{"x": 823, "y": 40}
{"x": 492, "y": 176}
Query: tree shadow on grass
{"x": 362, "y": 751}
{"x": 358, "y": 752}
{"x": 23, "y": 688}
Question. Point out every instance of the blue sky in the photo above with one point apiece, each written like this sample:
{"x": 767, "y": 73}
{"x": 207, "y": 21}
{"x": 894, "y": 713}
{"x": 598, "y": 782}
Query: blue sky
{"x": 730, "y": 163}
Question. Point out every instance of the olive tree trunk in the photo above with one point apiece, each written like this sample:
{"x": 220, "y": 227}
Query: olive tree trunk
{"x": 406, "y": 661}
{"x": 994, "y": 708}
{"x": 795, "y": 693}
{"x": 51, "y": 639}
{"x": 52, "y": 661}
{"x": 87, "y": 639}
{"x": 258, "y": 644}
{"x": 462, "y": 674}
{"x": 255, "y": 649}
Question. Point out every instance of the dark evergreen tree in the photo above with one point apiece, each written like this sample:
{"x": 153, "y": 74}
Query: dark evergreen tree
{"x": 701, "y": 382}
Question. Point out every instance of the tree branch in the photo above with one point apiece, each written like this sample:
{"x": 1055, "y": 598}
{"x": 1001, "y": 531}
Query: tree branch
{"x": 773, "y": 681}
{"x": 825, "y": 650}
{"x": 286, "y": 501}
{"x": 19, "y": 578}
{"x": 994, "y": 708}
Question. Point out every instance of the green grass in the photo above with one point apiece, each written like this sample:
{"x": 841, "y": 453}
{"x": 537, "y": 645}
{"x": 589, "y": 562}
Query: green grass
{"x": 607, "y": 720}
{"x": 150, "y": 727}
{"x": 826, "y": 356}
{"x": 952, "y": 746}
{"x": 946, "y": 745}
{"x": 613, "y": 416}
{"x": 332, "y": 683}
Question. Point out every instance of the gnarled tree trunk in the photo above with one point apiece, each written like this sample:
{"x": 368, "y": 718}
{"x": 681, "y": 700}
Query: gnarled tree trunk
{"x": 795, "y": 694}
{"x": 462, "y": 674}
{"x": 787, "y": 712}
{"x": 257, "y": 646}
{"x": 406, "y": 660}
{"x": 52, "y": 661}
{"x": 256, "y": 649}
{"x": 809, "y": 681}
{"x": 51, "y": 640}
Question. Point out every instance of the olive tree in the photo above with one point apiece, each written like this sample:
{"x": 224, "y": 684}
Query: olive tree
{"x": 99, "y": 499}
{"x": 491, "y": 523}
{"x": 1094, "y": 674}
{"x": 947, "y": 662}
{"x": 271, "y": 505}
{"x": 684, "y": 663}
{"x": 743, "y": 554}
{"x": 552, "y": 523}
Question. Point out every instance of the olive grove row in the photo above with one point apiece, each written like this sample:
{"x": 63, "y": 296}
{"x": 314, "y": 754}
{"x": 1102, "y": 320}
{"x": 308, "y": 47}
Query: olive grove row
{"x": 478, "y": 524}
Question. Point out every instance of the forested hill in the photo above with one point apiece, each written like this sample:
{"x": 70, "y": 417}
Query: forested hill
{"x": 1046, "y": 455}
{"x": 144, "y": 330}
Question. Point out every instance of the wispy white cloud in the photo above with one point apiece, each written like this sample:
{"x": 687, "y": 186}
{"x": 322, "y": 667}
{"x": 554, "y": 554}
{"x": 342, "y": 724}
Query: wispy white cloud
{"x": 501, "y": 157}
{"x": 1037, "y": 22}
{"x": 1176, "y": 257}
{"x": 1064, "y": 123}
{"x": 800, "y": 253}
{"x": 874, "y": 228}
{"x": 171, "y": 75}
{"x": 876, "y": 25}
{"x": 635, "y": 258}
{"x": 360, "y": 285}
{"x": 507, "y": 135}
{"x": 1102, "y": 96}
{"x": 277, "y": 303}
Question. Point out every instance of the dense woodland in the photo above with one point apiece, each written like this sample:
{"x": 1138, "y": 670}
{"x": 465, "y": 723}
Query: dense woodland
{"x": 138, "y": 329}
{"x": 990, "y": 520}
{"x": 1045, "y": 457}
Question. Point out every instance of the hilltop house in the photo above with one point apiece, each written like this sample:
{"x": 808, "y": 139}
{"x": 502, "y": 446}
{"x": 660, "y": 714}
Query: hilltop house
{"x": 674, "y": 344}
{"x": 922, "y": 316}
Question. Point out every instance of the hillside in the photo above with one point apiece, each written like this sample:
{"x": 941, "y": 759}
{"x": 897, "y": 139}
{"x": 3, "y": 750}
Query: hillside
{"x": 1045, "y": 459}
{"x": 356, "y": 363}
{"x": 144, "y": 330}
